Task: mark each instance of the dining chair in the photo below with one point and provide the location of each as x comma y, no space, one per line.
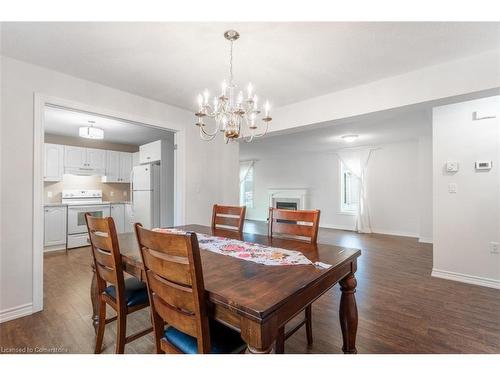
296,225
228,217
174,277
125,296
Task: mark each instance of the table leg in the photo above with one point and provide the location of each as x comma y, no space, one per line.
348,314
259,336
94,297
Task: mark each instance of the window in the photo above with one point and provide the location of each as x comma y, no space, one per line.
246,185
349,187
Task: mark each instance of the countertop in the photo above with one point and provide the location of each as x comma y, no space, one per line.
59,204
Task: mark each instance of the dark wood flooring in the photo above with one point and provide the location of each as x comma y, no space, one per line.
402,309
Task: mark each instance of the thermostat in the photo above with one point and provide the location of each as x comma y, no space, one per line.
483,165
451,166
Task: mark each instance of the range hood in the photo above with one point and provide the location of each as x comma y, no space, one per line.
84,171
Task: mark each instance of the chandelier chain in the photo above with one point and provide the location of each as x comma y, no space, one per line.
231,63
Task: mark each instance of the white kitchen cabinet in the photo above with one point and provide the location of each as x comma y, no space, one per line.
81,158
75,157
118,166
54,162
129,218
55,227
118,215
96,158
150,152
125,166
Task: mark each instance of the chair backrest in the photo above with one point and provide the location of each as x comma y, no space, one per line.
228,217
294,223
175,282
106,254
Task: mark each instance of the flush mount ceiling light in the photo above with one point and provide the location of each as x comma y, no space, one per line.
90,131
349,138
231,109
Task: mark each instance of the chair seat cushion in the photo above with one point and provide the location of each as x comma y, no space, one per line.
224,340
136,292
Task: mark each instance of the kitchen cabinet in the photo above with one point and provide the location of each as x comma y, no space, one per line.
55,227
118,215
150,152
81,158
96,158
118,166
75,157
129,218
54,162
135,159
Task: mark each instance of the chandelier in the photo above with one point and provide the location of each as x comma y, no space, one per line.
231,110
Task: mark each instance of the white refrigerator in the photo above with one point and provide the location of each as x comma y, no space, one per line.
145,195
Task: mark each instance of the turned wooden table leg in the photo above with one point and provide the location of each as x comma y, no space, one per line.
348,314
94,297
252,350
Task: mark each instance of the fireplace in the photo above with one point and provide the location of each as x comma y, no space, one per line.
288,199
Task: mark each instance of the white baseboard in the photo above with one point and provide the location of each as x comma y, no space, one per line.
425,239
16,312
394,233
339,227
469,279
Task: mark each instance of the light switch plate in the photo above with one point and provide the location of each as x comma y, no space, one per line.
125,193
452,188
112,193
49,194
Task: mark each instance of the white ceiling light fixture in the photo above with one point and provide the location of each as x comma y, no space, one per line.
91,132
349,138
231,109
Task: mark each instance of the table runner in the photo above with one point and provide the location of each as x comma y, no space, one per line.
267,255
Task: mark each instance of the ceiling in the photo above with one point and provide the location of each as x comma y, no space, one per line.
286,62
373,129
65,122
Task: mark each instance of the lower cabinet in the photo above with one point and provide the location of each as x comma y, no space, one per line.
55,218
118,215
129,218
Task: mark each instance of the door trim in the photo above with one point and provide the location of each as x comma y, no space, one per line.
40,101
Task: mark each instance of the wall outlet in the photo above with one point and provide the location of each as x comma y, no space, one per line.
494,247
49,194
452,188
125,193
112,193
452,166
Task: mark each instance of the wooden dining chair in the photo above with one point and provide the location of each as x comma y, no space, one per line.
175,285
296,225
125,296
228,217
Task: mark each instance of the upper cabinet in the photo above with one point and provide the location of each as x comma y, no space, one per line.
54,162
150,152
80,159
118,166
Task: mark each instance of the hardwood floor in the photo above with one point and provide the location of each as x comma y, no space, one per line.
402,309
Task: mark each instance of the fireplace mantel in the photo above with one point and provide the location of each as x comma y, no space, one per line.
298,195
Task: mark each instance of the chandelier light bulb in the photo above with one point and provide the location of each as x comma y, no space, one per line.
250,90
240,97
206,96
200,100
224,87
255,101
267,107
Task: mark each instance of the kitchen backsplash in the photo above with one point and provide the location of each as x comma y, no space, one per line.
110,192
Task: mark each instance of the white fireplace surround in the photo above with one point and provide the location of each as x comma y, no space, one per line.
288,195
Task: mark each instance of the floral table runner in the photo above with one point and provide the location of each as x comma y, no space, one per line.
270,256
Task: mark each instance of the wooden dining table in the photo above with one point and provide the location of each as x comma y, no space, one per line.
258,300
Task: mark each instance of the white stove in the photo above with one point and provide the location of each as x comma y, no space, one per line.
80,202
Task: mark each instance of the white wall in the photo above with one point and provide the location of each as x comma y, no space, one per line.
467,75
211,168
466,222
393,189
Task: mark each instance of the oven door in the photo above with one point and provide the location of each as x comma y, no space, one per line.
76,216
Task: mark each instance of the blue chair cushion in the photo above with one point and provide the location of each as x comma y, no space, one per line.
224,340
136,292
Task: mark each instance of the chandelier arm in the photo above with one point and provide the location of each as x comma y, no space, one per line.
206,137
262,134
210,134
